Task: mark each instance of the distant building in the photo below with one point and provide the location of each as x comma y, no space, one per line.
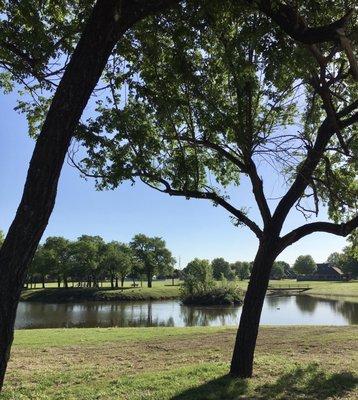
325,272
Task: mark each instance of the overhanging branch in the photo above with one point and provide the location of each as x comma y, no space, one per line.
287,18
196,194
343,229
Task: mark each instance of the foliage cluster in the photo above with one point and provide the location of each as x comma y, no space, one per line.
200,288
89,260
347,260
304,265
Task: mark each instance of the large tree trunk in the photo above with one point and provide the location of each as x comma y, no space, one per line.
109,20
243,355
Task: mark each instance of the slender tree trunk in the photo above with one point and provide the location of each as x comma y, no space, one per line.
117,282
108,22
58,282
112,281
122,281
243,355
43,282
65,282
149,280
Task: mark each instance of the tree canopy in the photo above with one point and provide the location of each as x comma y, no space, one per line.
89,260
221,268
304,265
212,94
347,260
153,254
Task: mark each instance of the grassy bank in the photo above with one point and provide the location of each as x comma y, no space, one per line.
164,290
50,295
181,364
318,288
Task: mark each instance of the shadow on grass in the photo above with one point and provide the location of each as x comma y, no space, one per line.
309,383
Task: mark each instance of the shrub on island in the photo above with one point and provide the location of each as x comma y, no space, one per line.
225,295
199,287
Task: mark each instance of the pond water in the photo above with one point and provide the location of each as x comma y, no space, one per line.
287,310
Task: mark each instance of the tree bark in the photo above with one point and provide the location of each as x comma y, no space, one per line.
108,22
243,355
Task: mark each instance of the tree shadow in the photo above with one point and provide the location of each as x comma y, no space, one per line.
310,383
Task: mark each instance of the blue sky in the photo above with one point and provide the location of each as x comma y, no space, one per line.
191,228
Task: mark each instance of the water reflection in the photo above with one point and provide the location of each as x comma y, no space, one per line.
287,310
206,316
306,304
274,301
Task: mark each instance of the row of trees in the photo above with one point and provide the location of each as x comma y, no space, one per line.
89,260
242,269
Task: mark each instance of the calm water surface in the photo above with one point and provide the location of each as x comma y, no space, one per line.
289,310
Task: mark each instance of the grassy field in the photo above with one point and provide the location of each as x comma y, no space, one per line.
181,364
165,290
159,291
317,288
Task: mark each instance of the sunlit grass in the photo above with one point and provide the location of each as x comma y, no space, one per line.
181,364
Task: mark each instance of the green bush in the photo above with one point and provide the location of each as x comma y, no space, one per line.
224,295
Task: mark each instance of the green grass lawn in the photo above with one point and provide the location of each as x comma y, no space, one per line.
127,284
160,290
181,364
319,288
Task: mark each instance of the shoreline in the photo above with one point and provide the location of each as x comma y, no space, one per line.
162,291
63,295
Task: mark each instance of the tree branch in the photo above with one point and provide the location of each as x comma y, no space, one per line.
287,18
343,229
304,173
258,191
195,194
220,150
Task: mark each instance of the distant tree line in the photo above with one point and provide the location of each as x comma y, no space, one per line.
89,261
220,269
347,260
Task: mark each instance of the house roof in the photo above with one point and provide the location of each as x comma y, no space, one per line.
338,270
325,268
